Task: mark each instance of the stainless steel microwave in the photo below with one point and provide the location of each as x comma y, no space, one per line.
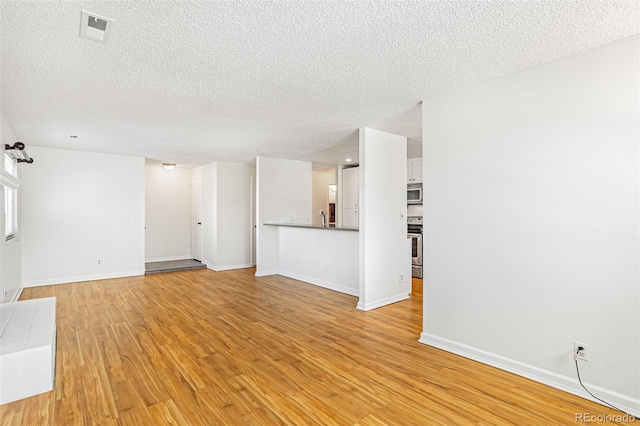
414,193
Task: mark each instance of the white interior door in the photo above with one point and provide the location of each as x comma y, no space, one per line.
196,218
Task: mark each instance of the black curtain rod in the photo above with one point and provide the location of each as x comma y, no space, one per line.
18,153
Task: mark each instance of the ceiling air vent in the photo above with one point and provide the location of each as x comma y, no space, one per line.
95,27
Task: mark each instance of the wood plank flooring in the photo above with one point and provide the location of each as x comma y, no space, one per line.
202,348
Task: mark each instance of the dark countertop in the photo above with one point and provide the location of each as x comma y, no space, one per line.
307,225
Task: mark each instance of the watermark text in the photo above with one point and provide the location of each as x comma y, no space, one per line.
604,418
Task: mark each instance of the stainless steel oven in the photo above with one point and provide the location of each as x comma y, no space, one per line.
414,228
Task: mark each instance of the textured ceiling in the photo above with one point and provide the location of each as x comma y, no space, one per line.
198,81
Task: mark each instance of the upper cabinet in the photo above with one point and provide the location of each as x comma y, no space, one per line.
414,170
350,188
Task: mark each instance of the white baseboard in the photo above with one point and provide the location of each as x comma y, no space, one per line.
81,278
382,302
168,258
320,283
265,273
549,378
229,267
17,294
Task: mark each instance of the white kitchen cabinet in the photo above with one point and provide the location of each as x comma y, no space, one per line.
350,218
350,188
414,170
350,192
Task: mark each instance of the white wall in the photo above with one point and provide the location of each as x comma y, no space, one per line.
10,253
234,216
284,195
384,254
531,221
168,212
324,257
226,214
78,208
320,181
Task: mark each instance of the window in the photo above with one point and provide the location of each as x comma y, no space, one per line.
10,202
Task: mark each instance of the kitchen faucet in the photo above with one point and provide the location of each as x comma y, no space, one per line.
323,219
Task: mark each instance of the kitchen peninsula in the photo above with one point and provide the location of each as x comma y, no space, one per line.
325,256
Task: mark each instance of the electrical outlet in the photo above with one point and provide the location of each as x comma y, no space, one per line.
401,278
99,261
581,354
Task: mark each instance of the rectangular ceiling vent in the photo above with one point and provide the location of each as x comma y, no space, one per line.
95,27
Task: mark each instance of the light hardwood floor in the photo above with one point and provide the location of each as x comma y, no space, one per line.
202,347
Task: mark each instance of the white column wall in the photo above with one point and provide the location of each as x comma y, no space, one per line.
78,208
532,221
383,219
234,216
226,214
168,213
284,195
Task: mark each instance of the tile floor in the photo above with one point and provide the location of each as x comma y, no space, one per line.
172,265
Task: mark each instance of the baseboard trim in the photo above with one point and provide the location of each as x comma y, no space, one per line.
321,283
83,278
168,258
228,268
382,302
265,273
17,294
549,378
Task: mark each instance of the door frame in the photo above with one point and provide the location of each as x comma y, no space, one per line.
193,219
253,220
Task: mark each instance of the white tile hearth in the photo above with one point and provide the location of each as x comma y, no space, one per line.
27,348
